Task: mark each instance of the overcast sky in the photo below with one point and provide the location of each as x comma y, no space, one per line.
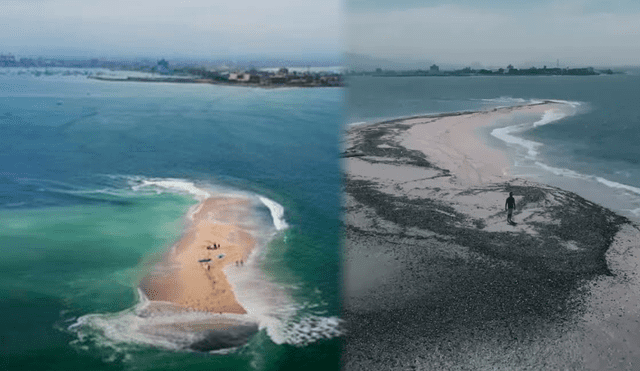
497,32
162,28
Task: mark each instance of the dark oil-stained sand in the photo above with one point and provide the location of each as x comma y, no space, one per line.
435,278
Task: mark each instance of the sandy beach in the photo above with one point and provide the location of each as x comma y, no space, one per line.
192,273
435,278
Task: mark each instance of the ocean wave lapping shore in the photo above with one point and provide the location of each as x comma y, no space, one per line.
526,159
456,286
197,297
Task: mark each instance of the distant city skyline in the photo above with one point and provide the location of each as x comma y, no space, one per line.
195,29
456,33
496,33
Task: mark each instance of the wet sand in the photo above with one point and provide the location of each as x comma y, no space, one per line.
192,274
435,278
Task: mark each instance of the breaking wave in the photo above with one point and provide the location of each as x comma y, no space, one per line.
528,150
277,213
508,134
269,305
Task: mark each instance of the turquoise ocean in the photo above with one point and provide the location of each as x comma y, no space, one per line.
589,145
96,179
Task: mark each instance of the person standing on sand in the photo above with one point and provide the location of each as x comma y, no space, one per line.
509,205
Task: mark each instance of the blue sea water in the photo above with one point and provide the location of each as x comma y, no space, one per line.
590,146
95,181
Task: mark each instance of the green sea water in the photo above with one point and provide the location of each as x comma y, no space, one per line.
85,211
61,262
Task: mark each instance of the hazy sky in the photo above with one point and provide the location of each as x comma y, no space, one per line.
195,28
497,32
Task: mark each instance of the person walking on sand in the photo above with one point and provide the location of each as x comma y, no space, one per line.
509,205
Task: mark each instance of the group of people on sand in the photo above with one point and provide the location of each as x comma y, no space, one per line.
216,246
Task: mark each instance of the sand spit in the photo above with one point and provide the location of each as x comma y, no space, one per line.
192,274
435,278
191,279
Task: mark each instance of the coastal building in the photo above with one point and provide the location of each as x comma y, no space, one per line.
28,62
162,67
330,81
434,69
243,77
283,72
277,79
7,60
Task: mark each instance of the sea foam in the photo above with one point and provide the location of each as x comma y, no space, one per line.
277,213
507,134
510,101
175,185
632,194
617,185
529,150
269,305
162,325
553,115
550,116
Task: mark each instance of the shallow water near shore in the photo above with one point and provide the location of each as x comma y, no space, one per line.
98,183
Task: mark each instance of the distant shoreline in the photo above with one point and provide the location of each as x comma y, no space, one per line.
533,71
188,80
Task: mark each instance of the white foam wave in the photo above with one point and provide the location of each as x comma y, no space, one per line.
505,99
510,101
531,148
269,305
172,185
505,134
168,326
550,116
561,172
575,175
628,196
617,185
573,104
277,213
155,324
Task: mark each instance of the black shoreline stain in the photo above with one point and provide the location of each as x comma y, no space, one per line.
514,283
